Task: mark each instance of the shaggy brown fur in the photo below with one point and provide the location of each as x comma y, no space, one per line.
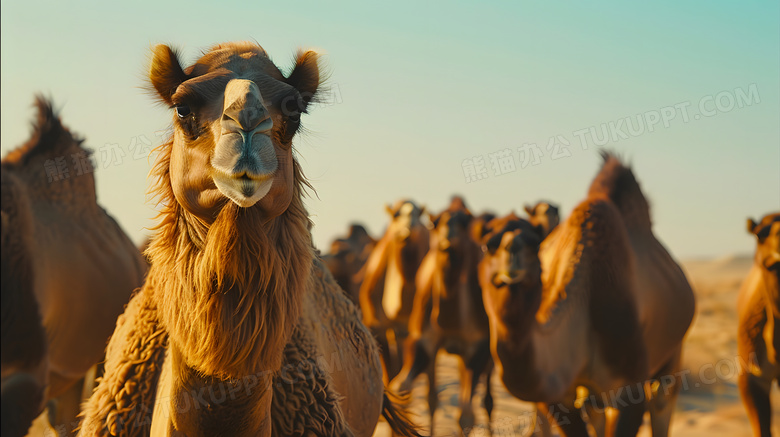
758,337
125,396
222,329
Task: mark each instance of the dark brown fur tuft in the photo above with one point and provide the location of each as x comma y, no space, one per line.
617,181
49,137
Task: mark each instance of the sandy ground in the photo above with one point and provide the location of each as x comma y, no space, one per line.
709,407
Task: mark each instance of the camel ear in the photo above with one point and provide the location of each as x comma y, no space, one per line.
165,72
751,226
305,76
529,210
432,218
389,210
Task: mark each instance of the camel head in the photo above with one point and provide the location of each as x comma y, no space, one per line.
451,228
510,270
235,115
479,226
352,248
405,219
767,233
347,256
544,214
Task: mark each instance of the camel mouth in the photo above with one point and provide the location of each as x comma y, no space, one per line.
243,189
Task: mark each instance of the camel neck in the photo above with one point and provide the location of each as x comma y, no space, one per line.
536,361
457,291
203,405
771,284
230,302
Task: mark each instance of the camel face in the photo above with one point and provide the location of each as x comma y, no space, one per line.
451,231
235,117
544,214
510,263
347,257
768,234
405,218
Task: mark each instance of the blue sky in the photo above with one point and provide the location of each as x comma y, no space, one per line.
416,89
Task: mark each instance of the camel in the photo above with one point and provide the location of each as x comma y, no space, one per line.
758,338
388,288
347,257
448,313
239,330
68,270
600,304
544,214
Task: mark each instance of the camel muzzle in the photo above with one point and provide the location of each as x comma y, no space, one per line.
245,157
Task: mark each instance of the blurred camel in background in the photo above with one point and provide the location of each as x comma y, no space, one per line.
758,337
388,288
68,271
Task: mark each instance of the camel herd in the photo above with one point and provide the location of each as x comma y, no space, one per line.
231,323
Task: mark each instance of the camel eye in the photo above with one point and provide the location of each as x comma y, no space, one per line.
183,111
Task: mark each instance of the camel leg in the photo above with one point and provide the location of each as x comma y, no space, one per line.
569,419
400,334
479,363
487,401
541,425
597,418
64,409
629,419
433,392
417,357
755,395
467,383
664,399
393,354
382,342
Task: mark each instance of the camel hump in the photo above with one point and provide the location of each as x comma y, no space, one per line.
607,259
49,138
616,181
